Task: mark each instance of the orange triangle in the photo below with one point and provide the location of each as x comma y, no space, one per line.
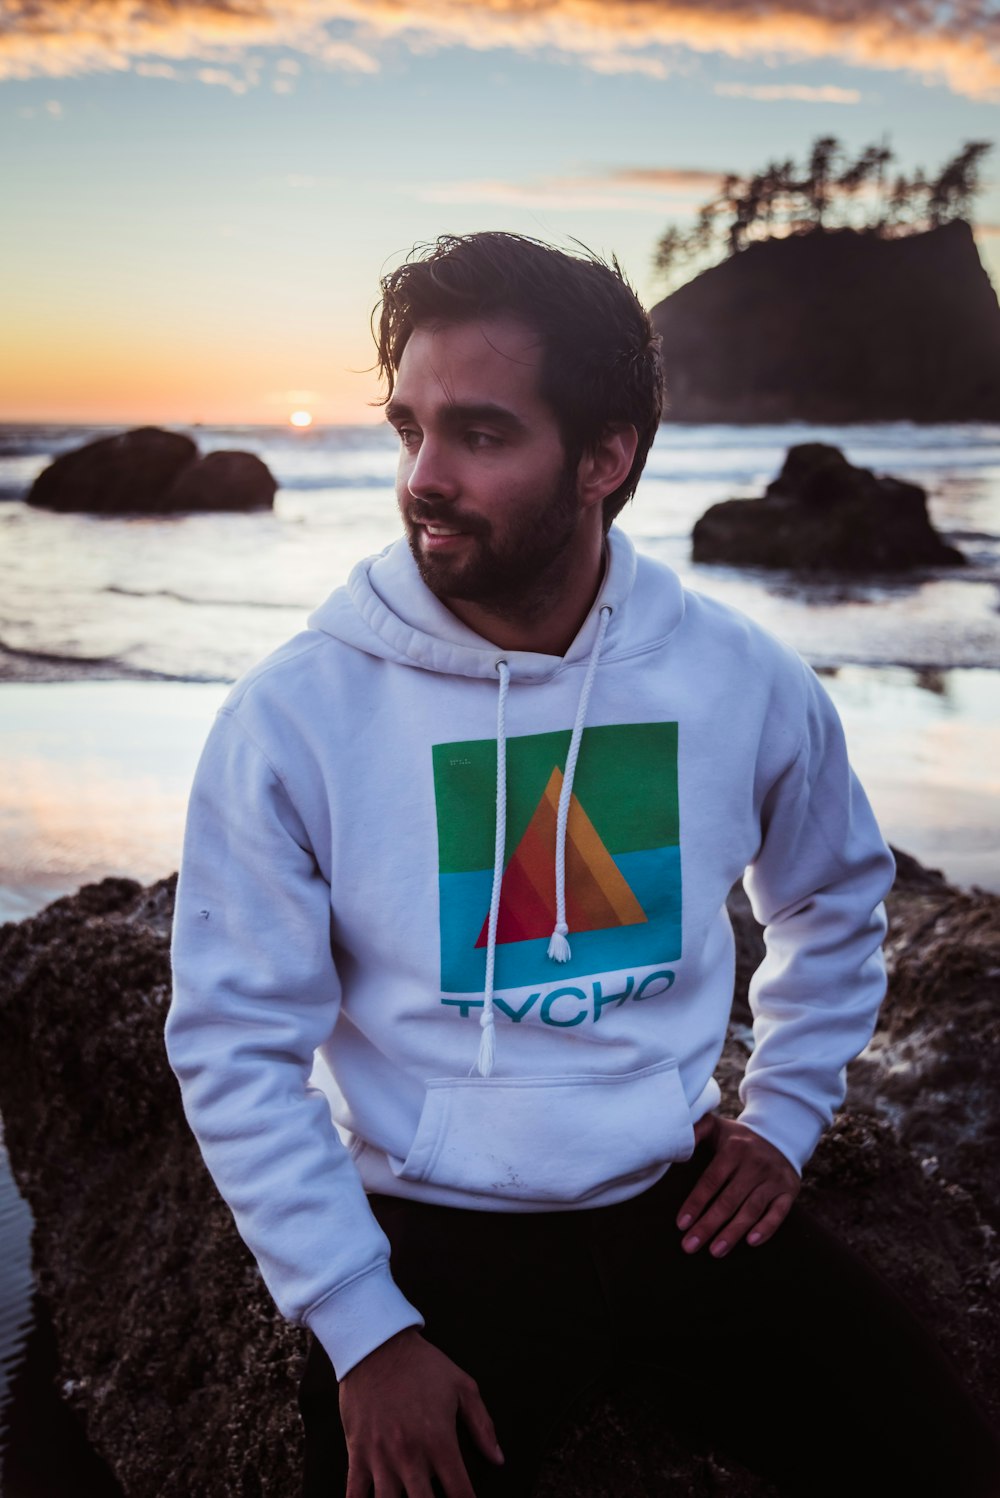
597,894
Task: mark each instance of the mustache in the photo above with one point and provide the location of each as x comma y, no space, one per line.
425,514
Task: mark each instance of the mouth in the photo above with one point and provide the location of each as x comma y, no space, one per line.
442,535
440,530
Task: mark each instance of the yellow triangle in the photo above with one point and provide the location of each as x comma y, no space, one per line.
598,895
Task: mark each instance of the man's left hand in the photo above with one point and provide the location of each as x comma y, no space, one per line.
746,1191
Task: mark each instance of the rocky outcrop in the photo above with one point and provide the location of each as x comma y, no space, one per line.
223,481
114,475
171,1349
837,326
821,513
149,471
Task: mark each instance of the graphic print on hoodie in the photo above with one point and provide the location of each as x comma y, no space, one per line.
623,868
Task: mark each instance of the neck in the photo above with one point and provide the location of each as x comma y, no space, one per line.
546,619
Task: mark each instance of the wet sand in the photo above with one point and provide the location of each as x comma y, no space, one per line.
96,774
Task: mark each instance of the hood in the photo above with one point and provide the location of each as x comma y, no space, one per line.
386,610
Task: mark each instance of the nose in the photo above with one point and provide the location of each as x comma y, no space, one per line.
429,473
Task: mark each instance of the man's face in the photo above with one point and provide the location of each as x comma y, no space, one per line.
488,505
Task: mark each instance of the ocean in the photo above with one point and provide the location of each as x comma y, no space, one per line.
118,637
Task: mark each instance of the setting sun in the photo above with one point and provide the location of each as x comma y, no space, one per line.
301,418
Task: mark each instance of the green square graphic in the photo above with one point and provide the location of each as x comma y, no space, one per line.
623,858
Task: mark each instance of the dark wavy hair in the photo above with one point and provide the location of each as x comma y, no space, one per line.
601,358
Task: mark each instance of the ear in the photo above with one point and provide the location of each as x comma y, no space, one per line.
601,471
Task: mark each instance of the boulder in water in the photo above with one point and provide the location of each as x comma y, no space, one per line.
130,472
223,481
152,472
821,513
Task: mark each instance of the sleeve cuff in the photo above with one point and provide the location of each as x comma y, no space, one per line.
360,1316
792,1127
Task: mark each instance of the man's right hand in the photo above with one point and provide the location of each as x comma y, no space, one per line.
400,1407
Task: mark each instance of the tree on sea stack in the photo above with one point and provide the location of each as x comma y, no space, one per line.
830,191
836,291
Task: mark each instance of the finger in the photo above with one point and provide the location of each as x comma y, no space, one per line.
708,1185
454,1479
415,1485
359,1483
735,1230
721,1211
772,1219
384,1482
477,1418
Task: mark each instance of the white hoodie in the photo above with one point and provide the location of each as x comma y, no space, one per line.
336,892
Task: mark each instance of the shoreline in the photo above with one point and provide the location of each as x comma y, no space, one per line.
40,668
28,668
97,773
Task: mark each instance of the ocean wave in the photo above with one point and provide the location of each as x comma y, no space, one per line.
19,664
215,603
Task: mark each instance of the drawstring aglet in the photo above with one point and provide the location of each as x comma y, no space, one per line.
559,949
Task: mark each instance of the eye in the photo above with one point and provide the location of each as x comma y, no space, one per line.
481,440
408,436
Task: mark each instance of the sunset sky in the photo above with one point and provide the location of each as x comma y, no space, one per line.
199,196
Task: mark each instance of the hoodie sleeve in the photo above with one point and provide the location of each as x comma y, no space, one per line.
816,885
255,992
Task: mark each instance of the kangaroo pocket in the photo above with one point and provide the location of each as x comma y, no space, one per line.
555,1139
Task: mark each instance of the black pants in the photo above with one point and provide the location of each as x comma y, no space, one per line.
838,1391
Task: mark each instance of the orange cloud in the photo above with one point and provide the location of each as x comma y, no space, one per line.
628,190
953,43
770,92
685,181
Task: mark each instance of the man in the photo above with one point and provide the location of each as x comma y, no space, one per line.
469,837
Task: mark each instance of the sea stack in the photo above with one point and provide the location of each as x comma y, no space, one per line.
834,326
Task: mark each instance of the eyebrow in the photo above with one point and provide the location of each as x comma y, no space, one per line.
457,415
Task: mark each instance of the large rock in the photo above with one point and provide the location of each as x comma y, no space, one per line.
149,471
175,1356
129,472
836,326
822,513
223,481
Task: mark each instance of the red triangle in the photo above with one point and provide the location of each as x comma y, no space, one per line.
528,904
597,896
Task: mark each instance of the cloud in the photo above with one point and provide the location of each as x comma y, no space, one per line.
156,70
950,42
627,190
51,107
770,92
685,181
628,62
223,78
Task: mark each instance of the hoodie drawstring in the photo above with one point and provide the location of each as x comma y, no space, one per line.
487,1041
559,948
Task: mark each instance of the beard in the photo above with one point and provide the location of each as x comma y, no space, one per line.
509,572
